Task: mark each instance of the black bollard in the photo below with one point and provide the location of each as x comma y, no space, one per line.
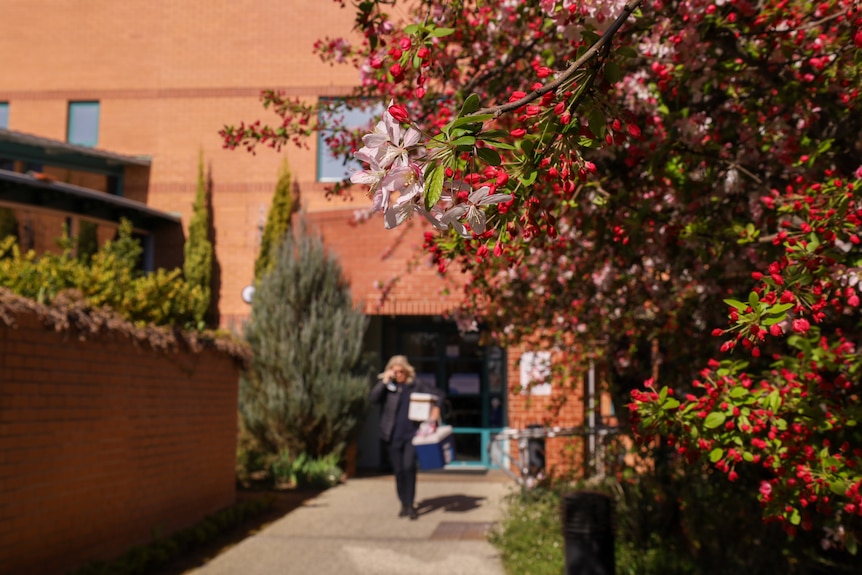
588,532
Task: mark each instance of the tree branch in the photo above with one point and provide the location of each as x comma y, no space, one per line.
601,43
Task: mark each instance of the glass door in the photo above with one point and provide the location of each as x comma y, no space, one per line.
472,377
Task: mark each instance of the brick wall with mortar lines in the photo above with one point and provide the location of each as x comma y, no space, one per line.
176,74
562,453
104,443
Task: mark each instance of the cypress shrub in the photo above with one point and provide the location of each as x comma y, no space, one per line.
305,391
198,264
284,204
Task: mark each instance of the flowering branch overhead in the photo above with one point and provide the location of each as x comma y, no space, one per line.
681,174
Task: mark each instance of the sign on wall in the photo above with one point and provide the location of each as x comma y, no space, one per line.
535,371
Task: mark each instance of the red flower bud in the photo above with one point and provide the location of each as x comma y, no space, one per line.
518,132
517,95
398,112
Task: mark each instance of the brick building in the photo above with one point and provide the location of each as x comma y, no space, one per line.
147,85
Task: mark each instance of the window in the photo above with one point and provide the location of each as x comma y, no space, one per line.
83,128
4,115
331,168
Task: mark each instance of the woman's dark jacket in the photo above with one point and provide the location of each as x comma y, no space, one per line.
389,400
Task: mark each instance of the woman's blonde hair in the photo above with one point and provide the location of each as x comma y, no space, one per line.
400,361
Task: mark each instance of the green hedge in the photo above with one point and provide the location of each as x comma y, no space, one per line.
110,278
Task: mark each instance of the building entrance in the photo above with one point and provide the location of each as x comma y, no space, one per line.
472,376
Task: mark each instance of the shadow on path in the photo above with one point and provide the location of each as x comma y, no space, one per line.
453,503
282,503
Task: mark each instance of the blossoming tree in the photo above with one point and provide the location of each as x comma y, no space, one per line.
677,182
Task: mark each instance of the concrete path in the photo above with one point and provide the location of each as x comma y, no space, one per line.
354,529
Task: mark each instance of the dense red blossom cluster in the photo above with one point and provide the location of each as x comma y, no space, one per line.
684,182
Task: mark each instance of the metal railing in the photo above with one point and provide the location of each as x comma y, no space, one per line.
602,458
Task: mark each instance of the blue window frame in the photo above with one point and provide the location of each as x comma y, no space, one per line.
4,115
332,168
83,127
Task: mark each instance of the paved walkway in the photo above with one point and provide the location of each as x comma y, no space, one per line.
354,529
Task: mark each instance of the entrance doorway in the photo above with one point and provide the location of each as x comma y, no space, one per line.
472,376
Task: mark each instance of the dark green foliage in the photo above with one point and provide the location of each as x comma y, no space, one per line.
284,204
8,223
694,523
304,471
111,279
306,388
198,264
143,559
530,536
87,241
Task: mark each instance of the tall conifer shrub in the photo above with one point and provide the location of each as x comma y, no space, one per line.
198,264
306,388
284,204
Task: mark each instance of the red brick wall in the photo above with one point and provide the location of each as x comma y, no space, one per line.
373,256
104,443
564,408
177,73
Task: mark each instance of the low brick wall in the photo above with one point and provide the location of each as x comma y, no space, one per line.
105,443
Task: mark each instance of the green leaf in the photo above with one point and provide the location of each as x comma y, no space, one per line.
670,403
779,309
411,29
496,143
612,72
736,304
716,454
471,104
753,300
440,32
850,540
476,119
714,419
839,487
489,156
464,141
773,401
434,186
627,51
529,178
598,124
586,142
738,391
795,519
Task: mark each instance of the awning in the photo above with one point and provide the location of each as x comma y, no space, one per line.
27,190
27,147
